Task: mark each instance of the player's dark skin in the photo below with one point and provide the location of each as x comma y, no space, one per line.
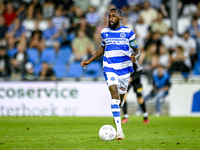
114,19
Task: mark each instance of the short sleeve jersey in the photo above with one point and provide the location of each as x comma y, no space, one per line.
118,45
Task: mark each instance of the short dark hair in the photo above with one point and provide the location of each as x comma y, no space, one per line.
119,12
186,32
171,29
2,48
194,17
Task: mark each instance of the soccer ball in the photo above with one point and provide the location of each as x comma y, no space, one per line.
107,133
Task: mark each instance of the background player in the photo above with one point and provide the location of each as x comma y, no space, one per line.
137,87
120,49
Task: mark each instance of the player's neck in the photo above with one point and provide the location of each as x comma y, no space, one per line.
117,28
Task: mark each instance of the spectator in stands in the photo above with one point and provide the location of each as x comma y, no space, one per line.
34,10
16,33
198,10
19,60
3,29
149,14
170,40
103,24
142,33
4,63
180,61
59,20
134,14
9,14
2,7
61,23
29,73
161,85
20,8
83,25
164,58
51,35
92,17
155,4
126,23
194,31
151,60
137,3
189,45
154,39
48,9
82,46
41,47
46,73
159,25
119,3
65,5
78,14
36,36
83,4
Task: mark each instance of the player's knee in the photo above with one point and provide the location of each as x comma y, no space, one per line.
114,92
140,99
115,95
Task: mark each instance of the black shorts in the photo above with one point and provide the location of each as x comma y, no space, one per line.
136,84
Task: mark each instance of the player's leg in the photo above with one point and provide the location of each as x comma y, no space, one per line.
138,90
143,107
115,108
113,83
125,107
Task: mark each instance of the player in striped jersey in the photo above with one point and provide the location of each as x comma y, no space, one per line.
120,50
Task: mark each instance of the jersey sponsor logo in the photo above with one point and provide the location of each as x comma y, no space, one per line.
117,41
123,89
123,35
112,78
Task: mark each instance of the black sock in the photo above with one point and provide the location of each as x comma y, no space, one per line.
125,108
143,106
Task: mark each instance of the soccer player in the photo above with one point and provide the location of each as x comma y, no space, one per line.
137,87
120,50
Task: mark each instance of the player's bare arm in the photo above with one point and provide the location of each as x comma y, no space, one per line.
98,54
135,55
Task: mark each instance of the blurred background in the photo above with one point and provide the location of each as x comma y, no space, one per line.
45,40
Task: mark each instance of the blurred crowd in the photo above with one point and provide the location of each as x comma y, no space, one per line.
41,39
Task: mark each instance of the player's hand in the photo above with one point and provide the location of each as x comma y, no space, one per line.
133,59
84,63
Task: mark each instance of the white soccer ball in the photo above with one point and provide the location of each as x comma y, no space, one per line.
107,133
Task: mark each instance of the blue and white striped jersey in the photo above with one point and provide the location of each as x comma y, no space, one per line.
117,50
58,22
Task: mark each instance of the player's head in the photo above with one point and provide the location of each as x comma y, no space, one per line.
114,18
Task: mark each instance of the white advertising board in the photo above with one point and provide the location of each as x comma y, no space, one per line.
83,99
54,99
185,100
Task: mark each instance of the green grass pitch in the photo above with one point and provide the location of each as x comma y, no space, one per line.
17,133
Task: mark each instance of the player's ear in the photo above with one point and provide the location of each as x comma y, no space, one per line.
120,17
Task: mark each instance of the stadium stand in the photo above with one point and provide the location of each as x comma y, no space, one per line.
38,16
93,70
75,70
